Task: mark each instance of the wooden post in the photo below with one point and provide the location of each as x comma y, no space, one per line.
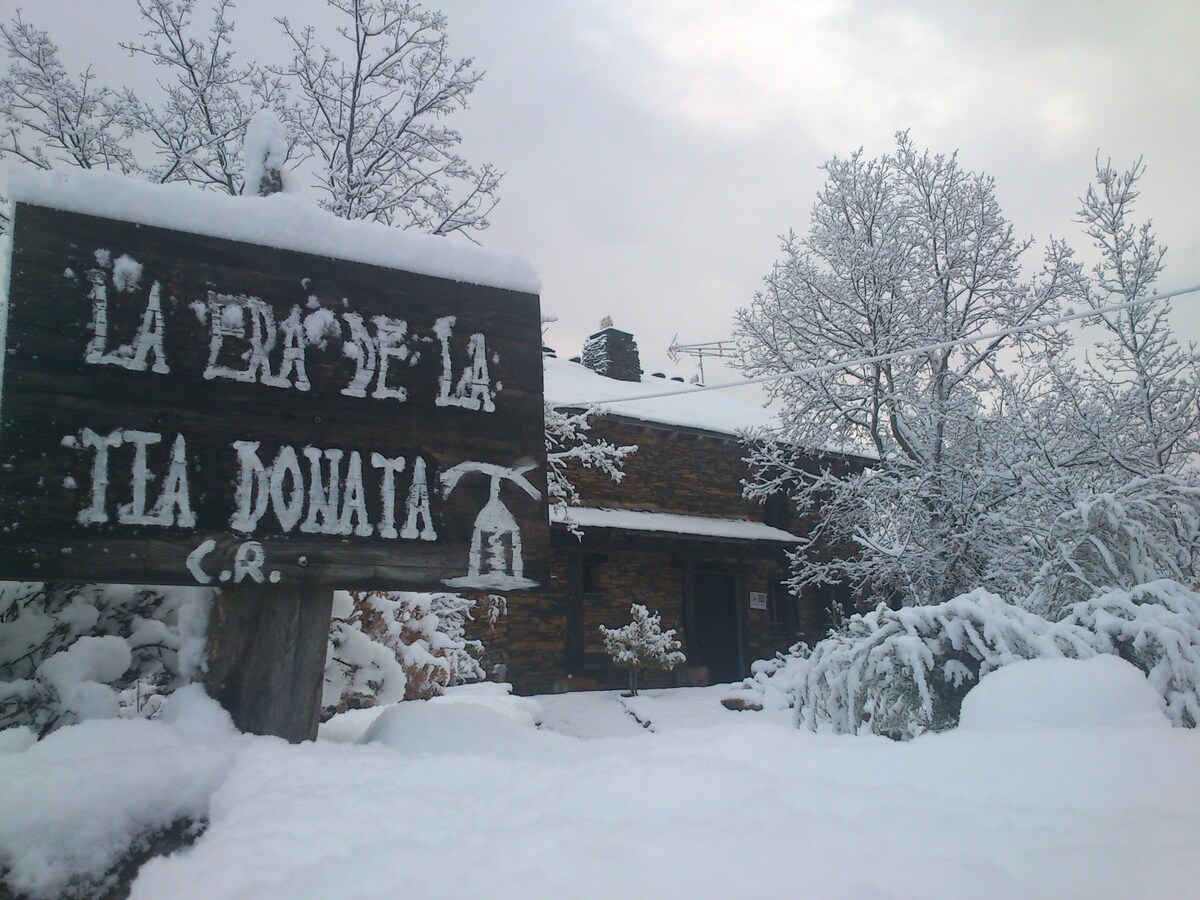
266,658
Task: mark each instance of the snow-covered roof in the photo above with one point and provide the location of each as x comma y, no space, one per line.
574,385
284,221
669,523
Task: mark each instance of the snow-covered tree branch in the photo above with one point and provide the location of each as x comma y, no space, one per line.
49,117
905,250
207,101
374,118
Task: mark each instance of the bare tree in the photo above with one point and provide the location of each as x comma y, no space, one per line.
375,120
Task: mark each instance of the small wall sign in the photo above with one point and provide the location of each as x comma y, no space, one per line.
758,600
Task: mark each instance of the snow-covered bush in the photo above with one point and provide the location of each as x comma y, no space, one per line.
772,682
1148,529
74,652
387,646
1155,626
642,644
900,673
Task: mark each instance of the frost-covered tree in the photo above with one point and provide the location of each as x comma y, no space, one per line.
642,645
906,250
373,111
50,117
191,130
1137,399
369,124
198,127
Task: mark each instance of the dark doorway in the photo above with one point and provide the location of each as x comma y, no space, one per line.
718,637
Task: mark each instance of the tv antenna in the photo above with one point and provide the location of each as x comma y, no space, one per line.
718,349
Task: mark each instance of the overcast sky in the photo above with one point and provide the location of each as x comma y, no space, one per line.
655,151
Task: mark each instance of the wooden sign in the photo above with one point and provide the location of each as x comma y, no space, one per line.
181,409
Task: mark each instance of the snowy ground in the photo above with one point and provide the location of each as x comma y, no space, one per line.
466,797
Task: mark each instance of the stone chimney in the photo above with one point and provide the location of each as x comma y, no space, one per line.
613,353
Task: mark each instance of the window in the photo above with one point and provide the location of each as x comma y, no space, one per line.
589,577
782,610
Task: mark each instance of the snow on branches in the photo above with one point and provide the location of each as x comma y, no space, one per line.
1146,530
375,120
901,673
388,646
369,128
69,653
973,461
904,250
642,645
569,444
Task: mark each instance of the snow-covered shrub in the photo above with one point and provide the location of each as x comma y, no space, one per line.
1147,530
642,644
74,652
1155,626
772,682
387,646
900,673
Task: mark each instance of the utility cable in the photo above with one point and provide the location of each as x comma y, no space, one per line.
884,357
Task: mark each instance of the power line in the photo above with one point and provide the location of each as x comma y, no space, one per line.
896,354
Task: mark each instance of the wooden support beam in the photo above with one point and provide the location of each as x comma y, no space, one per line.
266,658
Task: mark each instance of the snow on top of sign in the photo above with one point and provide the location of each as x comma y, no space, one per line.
669,523
574,385
284,221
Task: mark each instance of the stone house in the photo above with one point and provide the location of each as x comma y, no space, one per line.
675,534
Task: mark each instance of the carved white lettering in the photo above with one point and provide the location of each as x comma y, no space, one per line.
173,507
294,340
387,492
390,337
474,387
331,498
227,314
96,514
418,506
360,348
149,337
354,500
322,495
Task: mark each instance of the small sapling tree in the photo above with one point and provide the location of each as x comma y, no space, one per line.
642,644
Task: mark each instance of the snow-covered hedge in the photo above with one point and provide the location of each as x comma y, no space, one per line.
74,652
387,646
1155,626
1146,530
900,673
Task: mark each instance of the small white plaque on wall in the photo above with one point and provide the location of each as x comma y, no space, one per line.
758,600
